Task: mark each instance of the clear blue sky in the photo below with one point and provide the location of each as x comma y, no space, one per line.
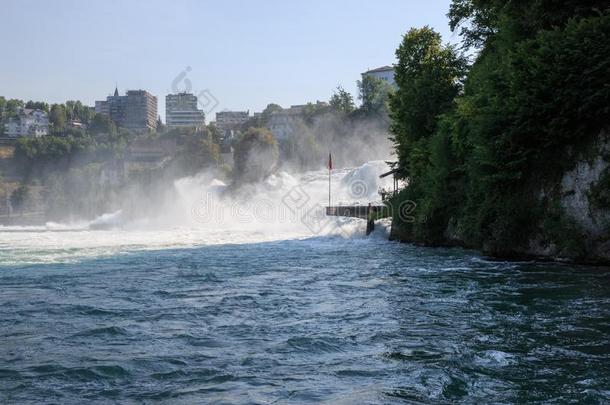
246,53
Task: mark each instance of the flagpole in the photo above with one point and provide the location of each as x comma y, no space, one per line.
330,168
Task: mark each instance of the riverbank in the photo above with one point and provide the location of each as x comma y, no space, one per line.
566,217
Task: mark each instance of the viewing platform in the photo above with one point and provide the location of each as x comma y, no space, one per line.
368,212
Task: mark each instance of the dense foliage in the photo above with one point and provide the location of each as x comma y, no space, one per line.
197,150
86,162
256,154
478,152
342,101
374,95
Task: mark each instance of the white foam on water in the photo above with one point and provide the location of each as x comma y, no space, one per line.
202,212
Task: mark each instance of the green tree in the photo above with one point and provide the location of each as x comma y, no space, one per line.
478,21
484,160
267,112
256,154
160,126
2,108
102,124
197,153
58,117
474,20
214,132
37,105
77,111
261,120
342,101
12,107
374,94
428,75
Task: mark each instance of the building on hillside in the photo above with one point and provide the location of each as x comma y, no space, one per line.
285,123
385,73
101,107
141,111
228,122
181,111
28,122
137,110
117,107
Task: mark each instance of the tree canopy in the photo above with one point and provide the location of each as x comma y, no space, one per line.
428,75
342,101
256,154
479,143
373,94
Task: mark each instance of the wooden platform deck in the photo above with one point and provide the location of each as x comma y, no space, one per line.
367,212
354,211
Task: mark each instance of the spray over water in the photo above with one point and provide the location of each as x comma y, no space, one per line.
200,210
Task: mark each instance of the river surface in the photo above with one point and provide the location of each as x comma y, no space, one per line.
117,316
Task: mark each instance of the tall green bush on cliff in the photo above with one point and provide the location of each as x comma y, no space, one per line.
535,95
428,76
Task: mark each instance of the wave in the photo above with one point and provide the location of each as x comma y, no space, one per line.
107,221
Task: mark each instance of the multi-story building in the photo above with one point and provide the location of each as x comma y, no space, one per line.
28,122
140,111
181,111
283,124
228,122
288,122
101,107
137,110
116,106
385,73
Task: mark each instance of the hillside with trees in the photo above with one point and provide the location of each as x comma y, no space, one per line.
80,172
510,152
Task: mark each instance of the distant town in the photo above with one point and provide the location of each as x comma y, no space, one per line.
137,111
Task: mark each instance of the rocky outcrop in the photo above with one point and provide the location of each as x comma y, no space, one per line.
573,214
583,217
576,188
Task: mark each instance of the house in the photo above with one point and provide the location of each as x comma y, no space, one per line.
385,73
28,122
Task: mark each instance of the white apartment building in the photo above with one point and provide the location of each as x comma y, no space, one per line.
385,73
286,123
181,111
283,124
28,123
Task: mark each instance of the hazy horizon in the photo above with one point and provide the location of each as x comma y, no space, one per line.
245,55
